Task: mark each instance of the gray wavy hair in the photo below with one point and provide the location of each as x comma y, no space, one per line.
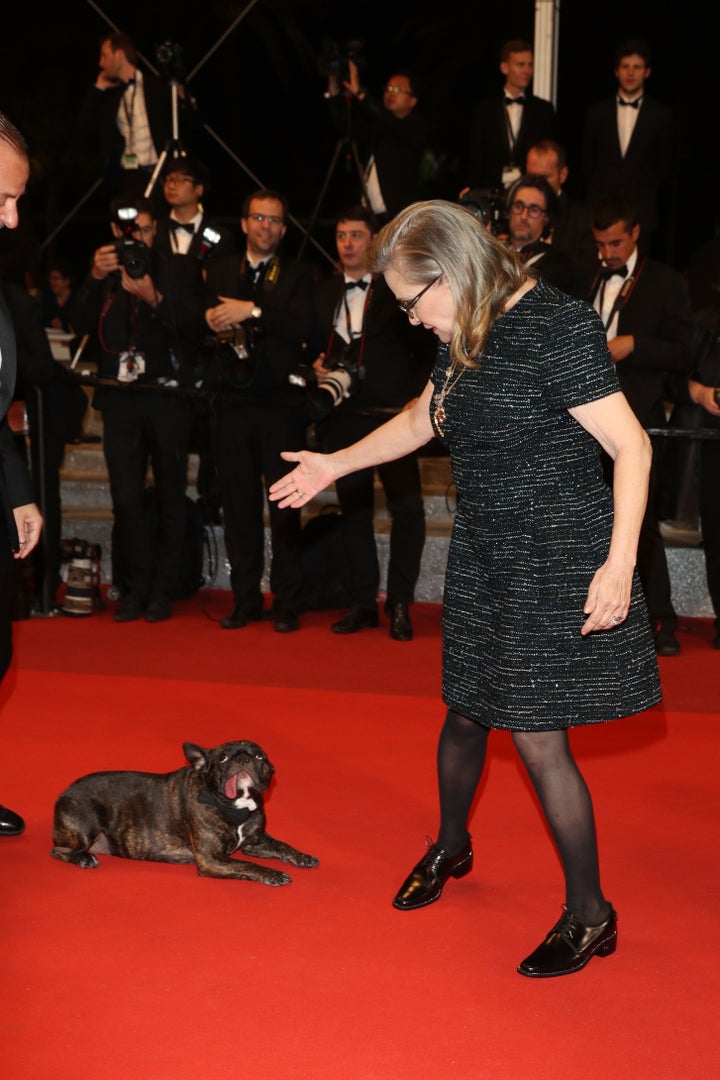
434,238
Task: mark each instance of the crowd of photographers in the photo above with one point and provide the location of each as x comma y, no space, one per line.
212,339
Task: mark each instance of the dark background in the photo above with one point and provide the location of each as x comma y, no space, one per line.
261,94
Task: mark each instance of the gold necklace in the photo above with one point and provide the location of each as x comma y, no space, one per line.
439,413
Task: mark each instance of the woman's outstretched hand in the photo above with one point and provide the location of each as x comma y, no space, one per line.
313,473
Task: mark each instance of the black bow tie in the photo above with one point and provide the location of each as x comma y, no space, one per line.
631,104
606,273
175,225
356,285
514,100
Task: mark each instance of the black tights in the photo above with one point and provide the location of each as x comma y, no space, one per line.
560,787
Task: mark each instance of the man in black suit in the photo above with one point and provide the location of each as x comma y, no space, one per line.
20,520
130,113
261,304
531,209
506,124
646,312
571,230
185,183
392,133
628,141
358,321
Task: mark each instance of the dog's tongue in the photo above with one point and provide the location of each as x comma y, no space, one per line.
234,782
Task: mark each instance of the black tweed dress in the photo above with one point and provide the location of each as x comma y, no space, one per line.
532,526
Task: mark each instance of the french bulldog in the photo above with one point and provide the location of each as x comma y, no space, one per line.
200,813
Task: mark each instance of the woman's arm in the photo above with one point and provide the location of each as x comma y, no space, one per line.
406,432
612,422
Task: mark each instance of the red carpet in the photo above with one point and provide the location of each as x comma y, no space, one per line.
147,970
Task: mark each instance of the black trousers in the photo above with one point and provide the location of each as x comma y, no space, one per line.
710,518
139,430
401,483
8,591
248,442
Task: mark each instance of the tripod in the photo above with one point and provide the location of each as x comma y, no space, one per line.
173,144
347,144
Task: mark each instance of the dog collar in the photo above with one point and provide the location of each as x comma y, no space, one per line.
224,807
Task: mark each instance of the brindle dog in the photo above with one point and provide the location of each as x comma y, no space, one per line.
201,813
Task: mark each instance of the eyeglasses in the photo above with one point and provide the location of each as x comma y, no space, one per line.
179,180
272,219
393,88
533,210
408,306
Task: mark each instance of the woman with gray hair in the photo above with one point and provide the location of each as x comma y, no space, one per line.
544,623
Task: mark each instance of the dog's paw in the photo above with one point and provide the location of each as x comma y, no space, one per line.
304,861
83,859
275,878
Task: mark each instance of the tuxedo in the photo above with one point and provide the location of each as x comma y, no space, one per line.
225,246
15,486
396,359
550,263
656,312
490,141
640,175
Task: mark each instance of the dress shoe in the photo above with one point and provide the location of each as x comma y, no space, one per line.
11,824
716,642
400,625
240,617
570,945
666,644
424,884
357,618
286,622
129,609
158,608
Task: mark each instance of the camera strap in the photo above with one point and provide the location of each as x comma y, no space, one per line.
625,292
343,303
104,312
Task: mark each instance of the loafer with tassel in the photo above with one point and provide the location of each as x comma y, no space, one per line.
424,884
569,946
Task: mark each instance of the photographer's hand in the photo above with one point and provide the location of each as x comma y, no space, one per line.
228,313
705,396
319,365
353,83
143,288
105,261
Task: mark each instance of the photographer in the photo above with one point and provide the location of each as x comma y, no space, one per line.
358,320
262,301
392,133
146,312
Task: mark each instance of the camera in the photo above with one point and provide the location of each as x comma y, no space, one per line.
488,204
135,256
171,61
326,392
334,57
209,238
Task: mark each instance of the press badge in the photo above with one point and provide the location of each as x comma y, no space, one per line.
130,365
510,174
130,161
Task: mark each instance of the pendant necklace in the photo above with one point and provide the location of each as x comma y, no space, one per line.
439,413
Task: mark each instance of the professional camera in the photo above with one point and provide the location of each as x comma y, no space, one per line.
135,256
209,238
325,392
488,204
333,60
171,61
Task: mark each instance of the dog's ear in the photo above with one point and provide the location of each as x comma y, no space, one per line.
196,755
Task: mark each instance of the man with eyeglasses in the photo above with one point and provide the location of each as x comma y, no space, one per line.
531,204
356,316
266,299
145,311
185,183
393,135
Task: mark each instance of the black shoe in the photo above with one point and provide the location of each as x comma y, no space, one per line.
569,946
129,609
286,622
158,608
11,824
716,642
666,644
240,617
424,884
357,618
400,625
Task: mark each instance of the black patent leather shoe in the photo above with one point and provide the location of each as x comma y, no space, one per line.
666,644
286,622
570,945
129,609
424,884
158,608
356,619
11,824
239,617
400,625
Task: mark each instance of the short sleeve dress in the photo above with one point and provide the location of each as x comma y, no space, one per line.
533,523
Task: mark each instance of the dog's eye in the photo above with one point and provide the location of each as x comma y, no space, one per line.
259,757
224,759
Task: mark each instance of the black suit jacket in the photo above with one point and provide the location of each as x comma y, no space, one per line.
490,149
15,486
645,169
286,323
397,358
225,246
657,313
